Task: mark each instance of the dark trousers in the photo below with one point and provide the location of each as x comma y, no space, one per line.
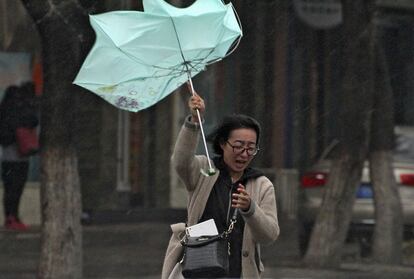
14,175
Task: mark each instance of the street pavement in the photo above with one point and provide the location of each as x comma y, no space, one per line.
136,250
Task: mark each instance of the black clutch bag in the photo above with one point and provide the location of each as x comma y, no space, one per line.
205,257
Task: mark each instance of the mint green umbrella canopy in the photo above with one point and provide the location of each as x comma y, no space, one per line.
141,57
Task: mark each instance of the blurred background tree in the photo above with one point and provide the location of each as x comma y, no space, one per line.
65,37
366,118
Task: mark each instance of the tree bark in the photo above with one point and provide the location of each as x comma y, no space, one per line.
333,220
388,233
64,31
330,230
61,239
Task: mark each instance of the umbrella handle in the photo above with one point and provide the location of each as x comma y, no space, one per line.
211,170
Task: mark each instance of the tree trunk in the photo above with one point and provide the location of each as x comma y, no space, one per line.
330,230
63,28
332,223
388,233
61,241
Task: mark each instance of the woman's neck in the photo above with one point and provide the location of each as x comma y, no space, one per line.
235,176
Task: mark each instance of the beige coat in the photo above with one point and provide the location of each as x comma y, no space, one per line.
261,223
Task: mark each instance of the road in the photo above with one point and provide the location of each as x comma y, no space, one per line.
131,251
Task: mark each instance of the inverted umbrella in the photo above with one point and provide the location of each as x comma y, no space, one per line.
141,57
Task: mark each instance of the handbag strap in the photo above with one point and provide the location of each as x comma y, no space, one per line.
233,221
206,240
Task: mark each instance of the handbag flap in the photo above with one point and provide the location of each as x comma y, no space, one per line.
200,240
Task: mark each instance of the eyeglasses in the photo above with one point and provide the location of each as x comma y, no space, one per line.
239,149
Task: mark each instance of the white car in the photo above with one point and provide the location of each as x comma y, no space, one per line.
314,180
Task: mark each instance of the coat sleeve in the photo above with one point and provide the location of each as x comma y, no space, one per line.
183,159
261,218
174,251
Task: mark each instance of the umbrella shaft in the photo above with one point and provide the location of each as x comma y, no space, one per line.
199,121
204,138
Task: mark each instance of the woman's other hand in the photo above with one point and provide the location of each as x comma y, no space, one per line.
242,199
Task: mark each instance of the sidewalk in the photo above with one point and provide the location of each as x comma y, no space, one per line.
136,250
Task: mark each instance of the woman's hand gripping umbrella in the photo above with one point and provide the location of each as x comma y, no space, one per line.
197,107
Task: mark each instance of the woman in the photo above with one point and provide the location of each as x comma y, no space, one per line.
234,186
18,109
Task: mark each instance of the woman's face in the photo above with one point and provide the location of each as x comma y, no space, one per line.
239,150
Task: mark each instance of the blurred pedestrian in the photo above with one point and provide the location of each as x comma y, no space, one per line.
18,110
234,186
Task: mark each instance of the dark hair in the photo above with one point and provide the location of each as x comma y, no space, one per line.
28,89
10,93
229,123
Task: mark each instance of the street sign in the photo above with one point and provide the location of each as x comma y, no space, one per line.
407,5
320,14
